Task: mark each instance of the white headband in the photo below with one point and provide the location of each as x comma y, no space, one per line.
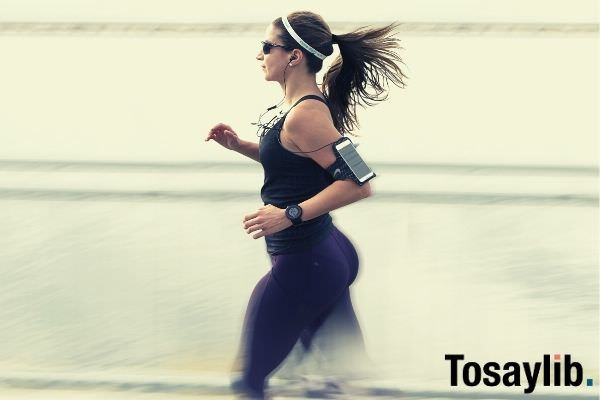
300,41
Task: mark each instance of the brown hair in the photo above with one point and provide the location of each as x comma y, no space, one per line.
366,59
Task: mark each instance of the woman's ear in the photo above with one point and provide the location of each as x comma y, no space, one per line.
296,55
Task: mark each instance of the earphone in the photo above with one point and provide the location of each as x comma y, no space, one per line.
277,105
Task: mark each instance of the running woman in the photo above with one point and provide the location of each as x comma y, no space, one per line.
313,263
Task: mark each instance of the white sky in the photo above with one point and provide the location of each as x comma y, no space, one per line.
566,11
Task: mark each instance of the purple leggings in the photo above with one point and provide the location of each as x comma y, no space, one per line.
292,300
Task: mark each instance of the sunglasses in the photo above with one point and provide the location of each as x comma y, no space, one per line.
266,46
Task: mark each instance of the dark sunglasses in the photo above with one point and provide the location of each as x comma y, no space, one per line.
266,46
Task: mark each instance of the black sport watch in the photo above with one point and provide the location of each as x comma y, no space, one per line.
294,213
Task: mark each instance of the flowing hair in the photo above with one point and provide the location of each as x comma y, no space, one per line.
366,60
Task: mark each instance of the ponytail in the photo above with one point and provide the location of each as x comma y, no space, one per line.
366,59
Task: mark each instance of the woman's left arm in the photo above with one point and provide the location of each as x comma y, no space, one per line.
308,127
334,196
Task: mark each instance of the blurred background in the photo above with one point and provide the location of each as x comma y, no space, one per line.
123,261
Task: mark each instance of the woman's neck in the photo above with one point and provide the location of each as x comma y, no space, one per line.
295,91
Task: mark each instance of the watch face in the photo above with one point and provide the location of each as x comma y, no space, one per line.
294,212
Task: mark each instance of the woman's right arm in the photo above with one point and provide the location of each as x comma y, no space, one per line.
226,137
249,149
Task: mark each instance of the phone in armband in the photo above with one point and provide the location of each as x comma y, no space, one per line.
349,164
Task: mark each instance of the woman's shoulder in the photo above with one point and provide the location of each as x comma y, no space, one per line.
310,121
310,129
310,110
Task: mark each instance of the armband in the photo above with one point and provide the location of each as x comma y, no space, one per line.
341,170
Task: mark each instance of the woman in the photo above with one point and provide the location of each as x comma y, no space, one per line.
313,263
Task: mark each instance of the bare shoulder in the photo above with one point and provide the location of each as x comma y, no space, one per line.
309,127
309,113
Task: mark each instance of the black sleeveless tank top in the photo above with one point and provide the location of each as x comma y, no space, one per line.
292,179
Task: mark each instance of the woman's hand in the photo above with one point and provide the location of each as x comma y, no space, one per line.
224,135
268,219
